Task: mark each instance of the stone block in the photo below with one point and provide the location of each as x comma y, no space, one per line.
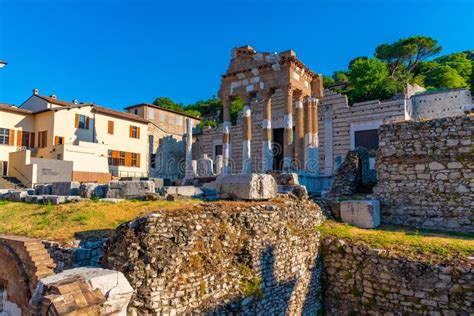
93,190
112,284
130,189
18,195
361,213
43,189
185,190
65,188
111,200
252,186
287,179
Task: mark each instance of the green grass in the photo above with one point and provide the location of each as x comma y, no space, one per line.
422,245
62,222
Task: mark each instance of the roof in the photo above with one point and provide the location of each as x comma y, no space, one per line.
124,115
161,108
54,101
12,108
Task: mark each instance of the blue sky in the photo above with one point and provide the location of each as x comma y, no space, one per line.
118,53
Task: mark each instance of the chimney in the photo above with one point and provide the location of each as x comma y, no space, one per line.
74,101
36,91
53,96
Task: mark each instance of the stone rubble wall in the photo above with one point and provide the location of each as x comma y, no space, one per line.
244,258
425,174
362,281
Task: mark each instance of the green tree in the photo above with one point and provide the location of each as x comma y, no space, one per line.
459,62
370,79
167,103
340,76
236,106
192,112
327,81
405,54
444,76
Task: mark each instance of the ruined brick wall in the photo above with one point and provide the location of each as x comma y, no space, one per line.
363,281
248,258
425,174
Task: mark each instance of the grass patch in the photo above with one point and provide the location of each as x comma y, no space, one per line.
62,222
422,245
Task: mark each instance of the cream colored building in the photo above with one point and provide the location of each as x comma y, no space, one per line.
100,142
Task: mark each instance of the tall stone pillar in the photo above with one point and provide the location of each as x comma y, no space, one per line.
267,154
246,140
189,173
308,130
227,124
314,129
288,125
299,133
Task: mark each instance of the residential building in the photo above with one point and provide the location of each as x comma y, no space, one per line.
100,142
166,129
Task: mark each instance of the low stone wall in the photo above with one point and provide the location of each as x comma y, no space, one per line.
425,174
87,253
217,258
363,281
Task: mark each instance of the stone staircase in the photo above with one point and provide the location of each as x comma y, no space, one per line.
10,183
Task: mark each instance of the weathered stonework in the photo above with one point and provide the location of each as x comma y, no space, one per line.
363,281
425,174
244,258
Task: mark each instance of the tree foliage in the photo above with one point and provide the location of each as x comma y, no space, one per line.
405,54
167,103
444,76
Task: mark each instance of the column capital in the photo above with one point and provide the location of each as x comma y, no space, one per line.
288,89
267,93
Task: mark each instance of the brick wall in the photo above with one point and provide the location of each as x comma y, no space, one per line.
425,174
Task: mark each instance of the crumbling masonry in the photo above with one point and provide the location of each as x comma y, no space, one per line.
278,128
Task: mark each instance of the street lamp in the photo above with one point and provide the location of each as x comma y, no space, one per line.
3,63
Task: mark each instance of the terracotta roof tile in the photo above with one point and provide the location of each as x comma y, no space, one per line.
124,115
12,108
161,108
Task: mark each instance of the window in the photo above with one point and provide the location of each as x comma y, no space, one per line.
121,161
368,139
110,127
179,121
4,136
134,132
110,157
136,112
151,114
82,121
25,139
171,120
43,139
162,117
134,162
58,140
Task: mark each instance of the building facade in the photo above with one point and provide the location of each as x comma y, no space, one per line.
100,142
277,129
166,146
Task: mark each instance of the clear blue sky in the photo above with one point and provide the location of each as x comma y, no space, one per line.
118,53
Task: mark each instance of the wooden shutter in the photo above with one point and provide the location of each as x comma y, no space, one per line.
138,160
138,132
130,128
87,123
128,159
12,137
19,138
110,127
32,140
77,121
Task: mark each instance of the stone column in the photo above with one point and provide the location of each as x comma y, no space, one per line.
314,125
288,125
308,130
227,124
246,140
189,174
267,154
299,133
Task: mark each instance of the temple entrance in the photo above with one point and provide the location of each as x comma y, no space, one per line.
277,148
